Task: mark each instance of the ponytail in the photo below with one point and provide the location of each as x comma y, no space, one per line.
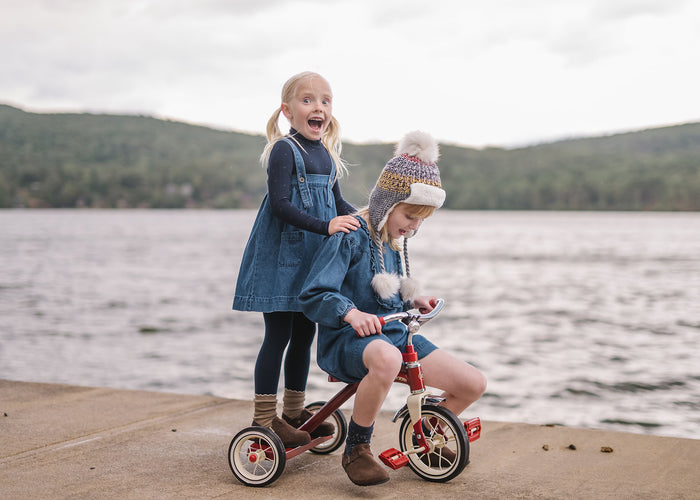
273,134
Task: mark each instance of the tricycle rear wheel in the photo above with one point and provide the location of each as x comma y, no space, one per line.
341,430
256,456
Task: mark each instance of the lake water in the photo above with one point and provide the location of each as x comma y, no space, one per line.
577,318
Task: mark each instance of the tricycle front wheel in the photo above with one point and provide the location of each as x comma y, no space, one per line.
451,446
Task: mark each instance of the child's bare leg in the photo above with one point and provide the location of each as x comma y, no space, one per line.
383,362
461,382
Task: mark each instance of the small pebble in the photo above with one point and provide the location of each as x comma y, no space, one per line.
606,449
545,447
174,430
572,447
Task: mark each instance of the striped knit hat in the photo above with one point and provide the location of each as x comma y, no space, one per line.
410,177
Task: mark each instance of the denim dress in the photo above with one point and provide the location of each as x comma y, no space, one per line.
278,256
340,280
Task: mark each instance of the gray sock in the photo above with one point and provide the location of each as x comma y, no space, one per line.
356,435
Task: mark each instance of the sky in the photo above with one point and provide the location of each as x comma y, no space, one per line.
474,73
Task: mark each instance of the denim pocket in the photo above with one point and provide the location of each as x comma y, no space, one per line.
291,248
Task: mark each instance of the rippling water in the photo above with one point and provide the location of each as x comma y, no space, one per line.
583,319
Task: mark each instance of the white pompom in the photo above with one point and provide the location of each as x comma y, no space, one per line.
409,289
386,285
419,144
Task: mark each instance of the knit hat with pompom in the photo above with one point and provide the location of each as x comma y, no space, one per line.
410,177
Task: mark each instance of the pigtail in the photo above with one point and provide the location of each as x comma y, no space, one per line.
273,134
331,140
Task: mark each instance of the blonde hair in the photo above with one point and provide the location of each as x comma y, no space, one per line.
330,139
420,211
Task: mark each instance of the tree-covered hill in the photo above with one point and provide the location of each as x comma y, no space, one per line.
88,160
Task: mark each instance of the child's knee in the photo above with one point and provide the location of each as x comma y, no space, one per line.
473,382
385,361
480,384
470,384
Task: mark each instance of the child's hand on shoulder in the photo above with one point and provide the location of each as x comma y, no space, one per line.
344,223
364,324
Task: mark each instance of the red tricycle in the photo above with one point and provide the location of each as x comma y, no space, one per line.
433,442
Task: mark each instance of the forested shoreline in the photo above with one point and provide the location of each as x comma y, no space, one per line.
114,161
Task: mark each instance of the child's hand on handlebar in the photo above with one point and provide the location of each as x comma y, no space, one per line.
364,324
425,303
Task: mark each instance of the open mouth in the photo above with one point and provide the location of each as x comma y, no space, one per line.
315,124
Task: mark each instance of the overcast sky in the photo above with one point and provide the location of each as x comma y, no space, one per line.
476,73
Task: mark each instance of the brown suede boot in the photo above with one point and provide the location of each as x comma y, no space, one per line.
291,437
323,429
362,468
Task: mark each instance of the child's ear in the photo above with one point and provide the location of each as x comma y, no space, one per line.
286,111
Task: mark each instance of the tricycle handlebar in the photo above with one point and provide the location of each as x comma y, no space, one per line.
407,317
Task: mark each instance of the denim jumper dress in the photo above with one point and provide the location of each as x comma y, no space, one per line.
278,256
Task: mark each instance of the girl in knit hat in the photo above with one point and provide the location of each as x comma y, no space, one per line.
302,206
358,276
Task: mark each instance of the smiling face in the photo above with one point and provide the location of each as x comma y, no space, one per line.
405,219
310,109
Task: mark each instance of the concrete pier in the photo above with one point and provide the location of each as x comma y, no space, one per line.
60,441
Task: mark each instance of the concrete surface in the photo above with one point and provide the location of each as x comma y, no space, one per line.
59,441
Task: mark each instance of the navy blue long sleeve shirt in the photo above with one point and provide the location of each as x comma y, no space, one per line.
280,173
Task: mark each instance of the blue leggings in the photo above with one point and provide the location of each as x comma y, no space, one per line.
282,329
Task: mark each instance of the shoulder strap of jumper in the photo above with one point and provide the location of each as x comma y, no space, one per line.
301,174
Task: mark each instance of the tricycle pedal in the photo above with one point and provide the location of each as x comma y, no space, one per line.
473,429
393,458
